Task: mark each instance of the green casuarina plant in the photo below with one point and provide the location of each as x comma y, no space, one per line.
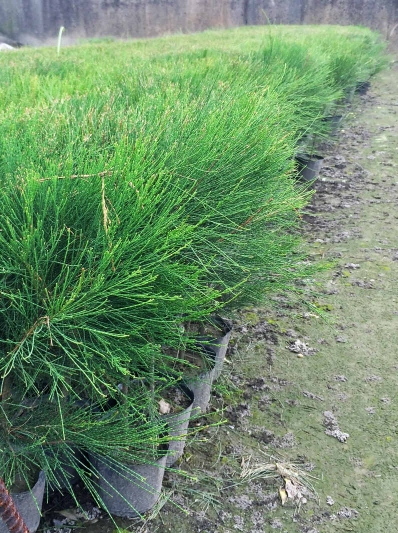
138,197
83,291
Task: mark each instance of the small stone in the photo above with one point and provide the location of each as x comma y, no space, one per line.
385,400
332,428
342,396
300,347
346,512
329,500
352,266
373,379
312,396
276,524
164,407
239,523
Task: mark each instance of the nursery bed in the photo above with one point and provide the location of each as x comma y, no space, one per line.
145,189
275,400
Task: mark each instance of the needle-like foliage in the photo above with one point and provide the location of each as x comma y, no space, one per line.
144,185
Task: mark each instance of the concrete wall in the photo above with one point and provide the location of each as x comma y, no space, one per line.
31,21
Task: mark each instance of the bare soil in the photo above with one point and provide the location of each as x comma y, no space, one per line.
320,393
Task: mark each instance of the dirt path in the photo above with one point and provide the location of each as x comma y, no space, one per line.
277,400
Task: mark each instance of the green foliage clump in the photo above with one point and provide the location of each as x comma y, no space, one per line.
144,187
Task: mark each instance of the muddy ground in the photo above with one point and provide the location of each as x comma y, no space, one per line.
320,393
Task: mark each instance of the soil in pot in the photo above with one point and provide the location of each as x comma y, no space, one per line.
128,491
28,503
309,166
176,407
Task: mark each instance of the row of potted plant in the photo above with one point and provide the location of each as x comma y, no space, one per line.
124,487
132,209
308,158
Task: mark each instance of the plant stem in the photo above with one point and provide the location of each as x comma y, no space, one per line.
6,389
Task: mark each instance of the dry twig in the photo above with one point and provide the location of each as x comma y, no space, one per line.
83,176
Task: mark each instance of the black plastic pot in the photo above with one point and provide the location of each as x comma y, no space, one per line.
214,350
306,140
29,505
362,87
220,345
67,475
128,491
333,123
349,96
201,384
309,166
178,427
